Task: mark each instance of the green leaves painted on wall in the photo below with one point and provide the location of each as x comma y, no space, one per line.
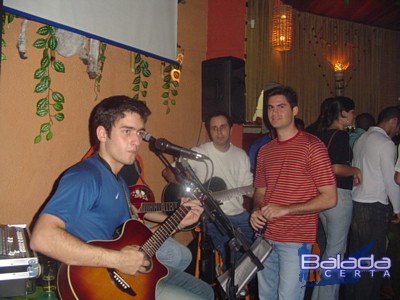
171,84
51,105
6,18
141,71
101,61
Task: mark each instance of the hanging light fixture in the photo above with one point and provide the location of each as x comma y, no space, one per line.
281,26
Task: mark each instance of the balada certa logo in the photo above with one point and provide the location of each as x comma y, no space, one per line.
339,270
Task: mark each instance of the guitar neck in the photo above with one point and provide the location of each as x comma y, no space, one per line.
228,194
162,206
170,225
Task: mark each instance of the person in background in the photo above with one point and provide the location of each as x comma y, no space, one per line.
314,127
363,122
232,165
336,221
91,201
269,130
374,155
260,110
294,181
393,235
258,143
299,123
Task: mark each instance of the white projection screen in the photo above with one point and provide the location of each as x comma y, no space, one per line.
148,27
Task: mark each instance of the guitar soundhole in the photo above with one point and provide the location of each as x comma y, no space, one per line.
150,266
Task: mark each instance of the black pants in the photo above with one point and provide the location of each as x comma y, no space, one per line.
369,223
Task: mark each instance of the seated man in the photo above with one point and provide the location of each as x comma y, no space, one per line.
232,165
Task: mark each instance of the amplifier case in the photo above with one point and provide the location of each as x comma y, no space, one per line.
16,272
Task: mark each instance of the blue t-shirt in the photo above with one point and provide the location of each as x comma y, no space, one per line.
253,151
90,200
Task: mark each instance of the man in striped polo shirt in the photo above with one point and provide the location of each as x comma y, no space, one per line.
294,181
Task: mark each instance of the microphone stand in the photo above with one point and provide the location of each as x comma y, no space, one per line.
216,215
224,225
181,178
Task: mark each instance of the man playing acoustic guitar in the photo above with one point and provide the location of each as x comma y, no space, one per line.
90,201
171,253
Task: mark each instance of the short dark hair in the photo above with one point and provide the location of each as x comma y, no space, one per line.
365,121
286,91
388,113
299,123
112,109
333,111
218,113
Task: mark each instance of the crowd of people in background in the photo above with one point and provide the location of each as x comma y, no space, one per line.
363,155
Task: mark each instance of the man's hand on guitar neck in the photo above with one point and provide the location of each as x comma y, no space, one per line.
194,214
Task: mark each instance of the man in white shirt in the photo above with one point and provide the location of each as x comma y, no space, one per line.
232,165
374,155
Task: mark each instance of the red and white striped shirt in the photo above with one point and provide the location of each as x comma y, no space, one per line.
292,171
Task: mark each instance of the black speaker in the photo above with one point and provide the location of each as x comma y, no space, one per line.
223,87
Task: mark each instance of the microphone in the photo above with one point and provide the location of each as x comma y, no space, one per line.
165,146
146,136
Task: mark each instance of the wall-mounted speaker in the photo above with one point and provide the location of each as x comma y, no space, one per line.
223,87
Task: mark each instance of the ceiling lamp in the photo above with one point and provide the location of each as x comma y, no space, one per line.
281,26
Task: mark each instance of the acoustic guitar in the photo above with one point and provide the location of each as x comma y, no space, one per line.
97,283
172,192
142,198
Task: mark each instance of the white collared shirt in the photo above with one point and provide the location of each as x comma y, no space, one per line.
374,155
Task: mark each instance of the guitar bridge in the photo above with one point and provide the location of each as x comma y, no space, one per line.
120,283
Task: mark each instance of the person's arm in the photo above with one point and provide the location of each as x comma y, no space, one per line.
397,177
340,154
155,217
326,199
169,175
50,238
257,220
345,170
388,168
397,168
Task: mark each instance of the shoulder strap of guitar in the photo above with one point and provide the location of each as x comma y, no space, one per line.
138,164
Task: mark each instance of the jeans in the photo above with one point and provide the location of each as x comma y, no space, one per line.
183,286
174,254
369,223
336,223
220,240
280,278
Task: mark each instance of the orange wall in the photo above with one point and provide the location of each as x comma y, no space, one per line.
226,28
28,171
226,33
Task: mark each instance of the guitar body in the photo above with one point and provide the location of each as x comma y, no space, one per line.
96,283
140,194
172,192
